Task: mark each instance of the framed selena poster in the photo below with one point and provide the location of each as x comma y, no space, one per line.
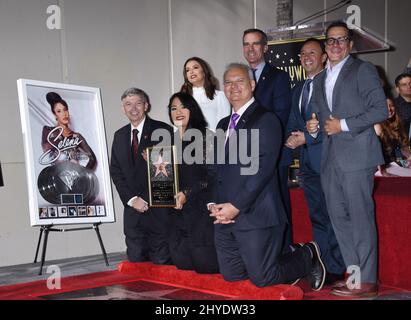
65,153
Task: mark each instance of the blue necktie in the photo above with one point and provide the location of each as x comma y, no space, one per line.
305,98
255,75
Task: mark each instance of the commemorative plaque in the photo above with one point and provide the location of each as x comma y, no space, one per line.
162,174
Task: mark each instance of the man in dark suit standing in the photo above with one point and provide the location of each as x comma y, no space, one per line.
250,218
313,57
145,228
349,100
273,92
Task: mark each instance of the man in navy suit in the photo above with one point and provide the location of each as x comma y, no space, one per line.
313,57
250,218
145,228
273,92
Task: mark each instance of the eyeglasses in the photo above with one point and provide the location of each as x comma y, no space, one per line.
239,82
338,41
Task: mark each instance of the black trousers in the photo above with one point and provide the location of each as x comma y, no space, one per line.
256,255
285,197
147,235
188,250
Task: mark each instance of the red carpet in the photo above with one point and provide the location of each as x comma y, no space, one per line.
242,290
167,275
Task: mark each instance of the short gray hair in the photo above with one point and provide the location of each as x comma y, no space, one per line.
241,66
137,92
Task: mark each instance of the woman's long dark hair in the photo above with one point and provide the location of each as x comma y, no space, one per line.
210,83
196,120
392,130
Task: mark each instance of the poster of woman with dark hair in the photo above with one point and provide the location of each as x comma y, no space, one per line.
66,151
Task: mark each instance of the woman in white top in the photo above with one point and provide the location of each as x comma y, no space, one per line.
200,83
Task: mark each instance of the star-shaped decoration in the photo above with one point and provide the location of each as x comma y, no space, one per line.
285,53
291,60
161,166
277,56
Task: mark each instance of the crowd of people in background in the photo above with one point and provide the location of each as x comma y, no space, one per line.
347,128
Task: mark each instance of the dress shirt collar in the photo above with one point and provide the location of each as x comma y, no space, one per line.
337,68
259,70
244,108
139,128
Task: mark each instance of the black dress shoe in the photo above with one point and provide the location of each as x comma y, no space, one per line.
296,246
316,277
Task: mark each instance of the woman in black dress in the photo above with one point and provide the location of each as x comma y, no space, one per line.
192,232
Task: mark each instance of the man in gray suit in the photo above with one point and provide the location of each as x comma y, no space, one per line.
349,100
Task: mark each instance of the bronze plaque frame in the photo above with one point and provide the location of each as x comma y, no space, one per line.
162,172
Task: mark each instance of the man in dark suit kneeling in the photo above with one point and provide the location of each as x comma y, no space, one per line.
245,200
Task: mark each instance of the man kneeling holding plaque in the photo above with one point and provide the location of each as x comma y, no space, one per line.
145,227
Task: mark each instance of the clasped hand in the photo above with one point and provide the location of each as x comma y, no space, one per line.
332,125
295,140
223,213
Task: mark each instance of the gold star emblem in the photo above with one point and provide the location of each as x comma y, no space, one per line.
161,166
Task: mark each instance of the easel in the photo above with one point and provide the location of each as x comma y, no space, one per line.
49,228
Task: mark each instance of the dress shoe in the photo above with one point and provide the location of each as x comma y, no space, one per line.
316,277
294,247
367,290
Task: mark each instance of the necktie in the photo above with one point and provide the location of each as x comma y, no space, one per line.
134,144
305,97
254,74
233,121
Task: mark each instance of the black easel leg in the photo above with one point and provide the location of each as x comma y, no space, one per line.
43,254
38,244
101,243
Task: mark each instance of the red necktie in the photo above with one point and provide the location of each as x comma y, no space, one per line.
134,144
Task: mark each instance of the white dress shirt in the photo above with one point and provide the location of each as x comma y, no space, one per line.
259,71
240,112
331,79
140,132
